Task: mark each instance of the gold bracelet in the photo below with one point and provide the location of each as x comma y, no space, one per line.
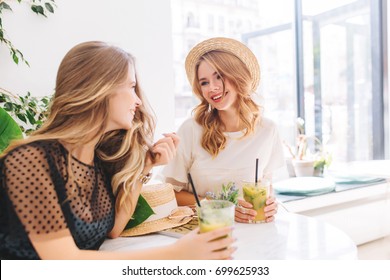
145,178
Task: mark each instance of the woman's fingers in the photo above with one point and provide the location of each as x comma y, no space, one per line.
225,254
165,148
167,143
220,242
244,203
216,244
270,219
272,205
174,137
165,151
218,233
244,212
271,209
270,200
244,215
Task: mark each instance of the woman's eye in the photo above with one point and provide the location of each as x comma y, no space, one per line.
204,83
219,77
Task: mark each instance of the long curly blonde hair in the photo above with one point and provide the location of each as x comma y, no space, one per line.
230,68
79,112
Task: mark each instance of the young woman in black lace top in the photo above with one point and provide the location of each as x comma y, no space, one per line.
76,181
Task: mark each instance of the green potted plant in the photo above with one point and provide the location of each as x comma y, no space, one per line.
28,111
9,130
304,162
322,160
20,115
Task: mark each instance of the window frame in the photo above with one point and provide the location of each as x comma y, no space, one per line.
379,74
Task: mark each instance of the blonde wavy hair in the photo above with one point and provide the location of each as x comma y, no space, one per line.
230,68
86,79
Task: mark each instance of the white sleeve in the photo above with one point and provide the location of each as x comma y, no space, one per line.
179,167
276,164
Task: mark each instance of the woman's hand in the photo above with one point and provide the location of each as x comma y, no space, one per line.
245,214
212,245
164,150
271,209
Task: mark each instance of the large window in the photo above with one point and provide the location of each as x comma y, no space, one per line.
338,48
320,60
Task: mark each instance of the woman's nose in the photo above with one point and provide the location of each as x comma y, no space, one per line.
138,101
214,86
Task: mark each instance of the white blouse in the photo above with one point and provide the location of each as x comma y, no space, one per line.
235,163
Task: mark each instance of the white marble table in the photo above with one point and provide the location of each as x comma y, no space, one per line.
291,236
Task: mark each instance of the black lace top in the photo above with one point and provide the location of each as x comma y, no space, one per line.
37,197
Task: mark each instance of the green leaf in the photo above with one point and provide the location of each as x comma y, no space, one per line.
38,10
9,130
15,58
45,101
141,213
21,117
5,6
30,117
49,7
8,106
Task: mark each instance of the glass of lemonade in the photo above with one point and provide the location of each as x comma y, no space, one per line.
257,194
214,214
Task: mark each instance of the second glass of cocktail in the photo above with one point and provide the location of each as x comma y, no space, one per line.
257,194
214,214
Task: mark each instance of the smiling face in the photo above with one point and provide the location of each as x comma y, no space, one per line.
218,92
123,103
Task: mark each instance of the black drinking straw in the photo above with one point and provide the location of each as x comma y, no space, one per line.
257,168
193,189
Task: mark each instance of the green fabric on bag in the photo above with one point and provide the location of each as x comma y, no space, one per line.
9,130
141,213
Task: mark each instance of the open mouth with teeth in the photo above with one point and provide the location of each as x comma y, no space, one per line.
218,97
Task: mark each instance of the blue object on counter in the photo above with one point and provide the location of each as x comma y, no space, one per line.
306,186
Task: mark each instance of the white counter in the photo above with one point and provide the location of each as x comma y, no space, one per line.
363,213
291,236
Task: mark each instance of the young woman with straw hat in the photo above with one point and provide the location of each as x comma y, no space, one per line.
77,180
227,133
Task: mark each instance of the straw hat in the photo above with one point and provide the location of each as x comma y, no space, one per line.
228,45
162,200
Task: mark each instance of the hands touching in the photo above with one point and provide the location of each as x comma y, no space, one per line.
245,214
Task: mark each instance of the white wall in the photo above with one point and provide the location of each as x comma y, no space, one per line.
141,27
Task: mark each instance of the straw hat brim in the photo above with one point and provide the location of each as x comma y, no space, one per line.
228,45
154,226
161,198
